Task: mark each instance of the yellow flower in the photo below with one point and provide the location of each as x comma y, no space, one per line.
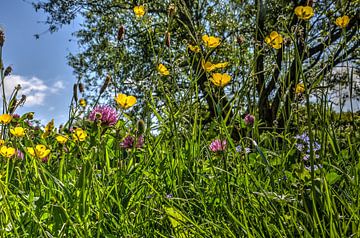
208,66
79,134
163,70
194,48
300,88
82,102
275,40
2,142
220,80
342,21
5,119
304,12
211,41
61,139
125,101
7,151
49,127
18,131
139,11
40,151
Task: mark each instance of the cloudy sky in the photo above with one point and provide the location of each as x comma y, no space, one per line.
39,65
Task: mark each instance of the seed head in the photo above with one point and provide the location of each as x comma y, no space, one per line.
167,39
106,84
75,93
2,38
81,88
172,10
121,33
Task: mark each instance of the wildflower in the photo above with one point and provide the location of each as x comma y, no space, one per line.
163,70
2,142
79,134
304,12
172,9
5,119
342,22
170,195
18,131
61,139
275,40
7,151
217,145
40,151
220,80
19,154
211,41
316,167
239,149
194,48
249,119
208,66
125,101
139,11
300,88
82,102
106,114
129,142
49,127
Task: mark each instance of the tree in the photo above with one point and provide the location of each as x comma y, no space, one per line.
113,41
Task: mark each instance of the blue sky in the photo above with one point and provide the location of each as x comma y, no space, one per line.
39,65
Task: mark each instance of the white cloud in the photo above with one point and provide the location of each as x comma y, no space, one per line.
57,86
34,88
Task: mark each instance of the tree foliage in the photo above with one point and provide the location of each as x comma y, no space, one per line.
263,79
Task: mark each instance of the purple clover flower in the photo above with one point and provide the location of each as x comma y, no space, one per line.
106,114
19,154
129,142
217,145
249,119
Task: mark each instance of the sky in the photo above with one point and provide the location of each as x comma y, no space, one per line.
39,65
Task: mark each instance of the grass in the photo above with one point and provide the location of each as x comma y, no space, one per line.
302,181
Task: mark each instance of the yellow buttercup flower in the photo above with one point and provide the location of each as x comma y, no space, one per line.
40,151
342,21
211,41
300,88
18,131
82,102
79,134
275,40
2,142
194,48
208,66
7,151
163,70
139,11
125,101
61,139
304,12
5,119
220,80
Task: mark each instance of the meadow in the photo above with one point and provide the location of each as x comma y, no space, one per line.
172,171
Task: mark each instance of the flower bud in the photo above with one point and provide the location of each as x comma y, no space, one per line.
121,33
167,39
249,119
2,38
75,93
7,71
140,127
81,88
106,84
240,39
172,10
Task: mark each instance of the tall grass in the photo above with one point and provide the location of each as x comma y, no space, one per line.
175,186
